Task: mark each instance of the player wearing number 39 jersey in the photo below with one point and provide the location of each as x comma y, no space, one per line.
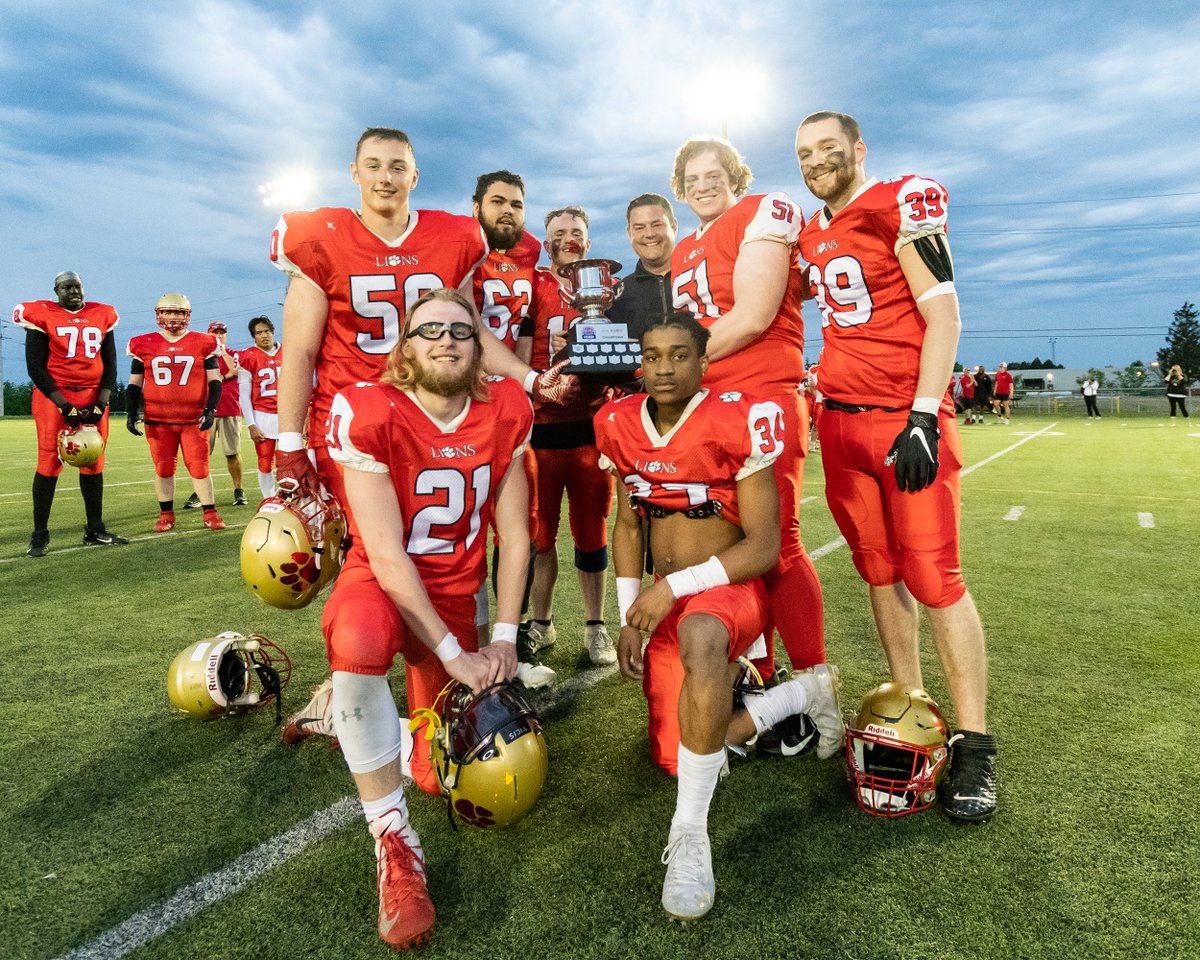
880,267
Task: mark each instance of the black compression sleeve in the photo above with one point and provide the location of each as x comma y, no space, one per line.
37,356
936,255
214,394
133,399
108,356
136,367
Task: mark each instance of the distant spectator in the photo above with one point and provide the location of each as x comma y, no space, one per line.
1002,400
1177,391
1089,389
983,393
228,424
966,384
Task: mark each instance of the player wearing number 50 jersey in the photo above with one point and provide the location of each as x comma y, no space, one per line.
71,356
258,375
737,275
879,263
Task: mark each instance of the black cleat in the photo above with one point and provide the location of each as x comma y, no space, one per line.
239,497
38,543
792,736
192,503
530,670
969,790
100,537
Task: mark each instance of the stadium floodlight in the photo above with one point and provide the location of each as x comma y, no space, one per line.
728,89
290,189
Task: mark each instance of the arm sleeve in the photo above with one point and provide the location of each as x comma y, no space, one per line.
108,356
214,394
245,385
37,356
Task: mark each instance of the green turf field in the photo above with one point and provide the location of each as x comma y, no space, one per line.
111,804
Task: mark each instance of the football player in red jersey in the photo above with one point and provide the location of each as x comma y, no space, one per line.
879,262
564,446
181,397
227,427
431,454
353,275
696,467
259,378
71,356
737,275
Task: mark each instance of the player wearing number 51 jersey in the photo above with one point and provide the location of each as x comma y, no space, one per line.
737,275
878,261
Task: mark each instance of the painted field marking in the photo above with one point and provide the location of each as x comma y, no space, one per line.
804,500
157,920
1014,513
75,490
1146,521
149,537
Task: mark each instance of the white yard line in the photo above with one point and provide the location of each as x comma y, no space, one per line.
213,887
1146,521
1014,513
149,537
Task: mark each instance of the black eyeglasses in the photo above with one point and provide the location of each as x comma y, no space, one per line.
434,329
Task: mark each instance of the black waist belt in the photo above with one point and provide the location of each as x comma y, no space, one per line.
710,508
840,407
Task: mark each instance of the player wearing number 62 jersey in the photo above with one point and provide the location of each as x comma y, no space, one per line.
737,275
880,266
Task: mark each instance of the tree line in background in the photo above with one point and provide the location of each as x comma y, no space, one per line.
1182,347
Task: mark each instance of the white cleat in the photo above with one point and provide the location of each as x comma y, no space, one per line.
821,685
689,888
535,675
315,718
600,646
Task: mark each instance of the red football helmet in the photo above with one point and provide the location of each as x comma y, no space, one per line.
173,311
896,751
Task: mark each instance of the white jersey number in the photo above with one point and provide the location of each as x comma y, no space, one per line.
691,292
841,292
161,368
386,333
91,338
421,541
496,298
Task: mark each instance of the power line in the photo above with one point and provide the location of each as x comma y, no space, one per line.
1106,227
1032,203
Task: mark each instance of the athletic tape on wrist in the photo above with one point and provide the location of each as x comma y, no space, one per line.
926,405
698,577
290,441
448,649
527,383
628,589
504,633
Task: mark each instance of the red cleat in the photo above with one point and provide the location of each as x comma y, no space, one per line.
213,520
405,911
166,521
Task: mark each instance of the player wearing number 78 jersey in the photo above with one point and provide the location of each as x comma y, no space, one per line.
878,261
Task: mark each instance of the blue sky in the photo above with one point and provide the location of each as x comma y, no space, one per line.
134,137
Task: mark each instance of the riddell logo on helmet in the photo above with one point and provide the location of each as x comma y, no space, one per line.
882,731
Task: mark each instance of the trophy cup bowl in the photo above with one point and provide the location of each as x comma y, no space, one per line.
596,346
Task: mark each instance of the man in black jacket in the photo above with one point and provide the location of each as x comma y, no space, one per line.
651,224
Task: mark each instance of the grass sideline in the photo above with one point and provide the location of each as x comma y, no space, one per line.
110,802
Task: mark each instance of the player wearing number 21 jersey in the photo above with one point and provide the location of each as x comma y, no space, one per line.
880,266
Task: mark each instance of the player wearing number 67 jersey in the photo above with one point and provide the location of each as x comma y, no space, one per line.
258,375
878,261
737,275
71,357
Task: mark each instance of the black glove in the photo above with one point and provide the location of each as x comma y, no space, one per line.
95,412
915,452
70,413
207,418
131,421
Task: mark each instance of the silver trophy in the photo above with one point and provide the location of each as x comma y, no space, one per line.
595,345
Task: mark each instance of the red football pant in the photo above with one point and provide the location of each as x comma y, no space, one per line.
49,423
363,633
893,535
742,608
165,441
529,461
589,497
796,603
265,450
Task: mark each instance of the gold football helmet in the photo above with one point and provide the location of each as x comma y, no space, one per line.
216,676
896,750
168,309
80,446
292,548
489,754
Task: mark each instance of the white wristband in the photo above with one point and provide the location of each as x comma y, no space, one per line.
527,383
504,633
289,442
628,589
448,649
937,290
698,577
926,405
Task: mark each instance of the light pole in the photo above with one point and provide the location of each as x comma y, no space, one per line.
1053,341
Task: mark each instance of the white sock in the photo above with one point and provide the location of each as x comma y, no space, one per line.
266,483
780,701
366,721
698,775
393,809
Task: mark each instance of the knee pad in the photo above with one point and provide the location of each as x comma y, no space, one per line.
876,568
366,720
591,561
934,581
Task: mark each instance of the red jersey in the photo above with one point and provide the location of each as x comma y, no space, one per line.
967,382
263,368
702,284
369,284
721,438
504,288
176,384
445,475
75,338
873,329
548,315
1004,382
230,404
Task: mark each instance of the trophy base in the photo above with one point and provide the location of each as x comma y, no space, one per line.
601,349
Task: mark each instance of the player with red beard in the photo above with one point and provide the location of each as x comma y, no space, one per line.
259,379
71,356
431,454
880,265
564,444
737,275
181,396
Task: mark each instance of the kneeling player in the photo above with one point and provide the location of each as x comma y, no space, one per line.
429,454
695,463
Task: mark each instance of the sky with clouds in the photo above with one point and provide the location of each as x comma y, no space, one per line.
134,137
